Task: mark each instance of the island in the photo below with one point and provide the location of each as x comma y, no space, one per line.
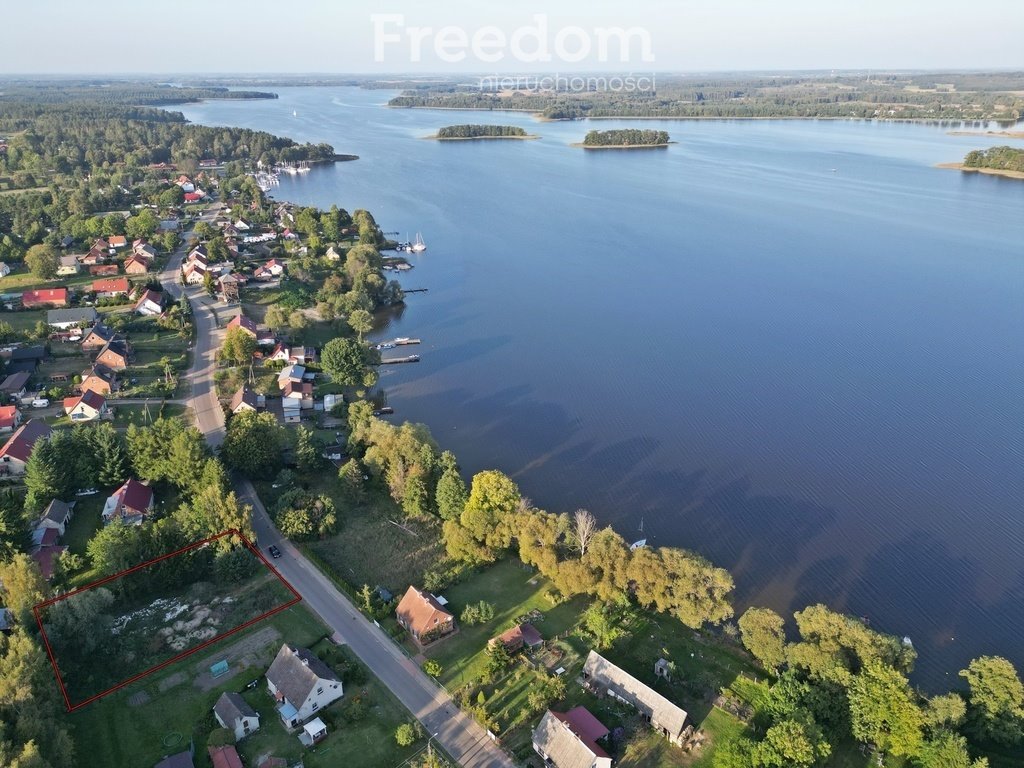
997,161
629,138
471,132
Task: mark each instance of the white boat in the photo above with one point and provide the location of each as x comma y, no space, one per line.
294,113
638,545
419,246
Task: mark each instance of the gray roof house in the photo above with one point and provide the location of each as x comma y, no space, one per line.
56,515
6,620
569,740
71,318
301,684
606,678
234,713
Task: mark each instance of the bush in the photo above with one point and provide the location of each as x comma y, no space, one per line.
405,735
477,613
432,668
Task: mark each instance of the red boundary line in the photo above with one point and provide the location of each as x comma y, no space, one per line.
230,532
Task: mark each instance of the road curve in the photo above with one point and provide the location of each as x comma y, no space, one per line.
461,736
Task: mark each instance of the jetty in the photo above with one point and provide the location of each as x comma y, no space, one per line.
403,341
398,360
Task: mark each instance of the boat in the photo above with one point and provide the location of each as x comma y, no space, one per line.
640,544
401,339
384,346
418,246
294,113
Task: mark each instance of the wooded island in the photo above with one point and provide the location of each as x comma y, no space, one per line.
470,132
629,138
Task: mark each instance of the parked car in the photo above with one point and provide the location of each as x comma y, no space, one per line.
40,402
87,492
274,552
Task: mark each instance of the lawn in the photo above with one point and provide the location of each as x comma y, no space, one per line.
85,521
125,414
113,732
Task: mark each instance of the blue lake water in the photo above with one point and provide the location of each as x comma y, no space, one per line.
813,377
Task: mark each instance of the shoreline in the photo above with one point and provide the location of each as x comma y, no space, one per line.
987,171
995,134
663,145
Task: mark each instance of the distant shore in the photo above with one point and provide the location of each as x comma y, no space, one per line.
988,171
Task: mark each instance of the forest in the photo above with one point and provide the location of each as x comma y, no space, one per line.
116,92
630,137
887,97
999,158
480,131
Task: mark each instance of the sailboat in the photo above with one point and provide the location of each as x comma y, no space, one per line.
419,246
295,113
639,543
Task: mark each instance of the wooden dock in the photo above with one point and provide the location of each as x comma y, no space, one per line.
397,360
405,342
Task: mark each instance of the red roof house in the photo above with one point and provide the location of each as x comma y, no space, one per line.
45,297
15,452
131,502
119,286
424,617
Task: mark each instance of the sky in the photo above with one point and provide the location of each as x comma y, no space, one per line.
473,36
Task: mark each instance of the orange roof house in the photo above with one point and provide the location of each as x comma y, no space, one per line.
424,617
45,297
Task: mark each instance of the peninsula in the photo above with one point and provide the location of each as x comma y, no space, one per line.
473,132
997,161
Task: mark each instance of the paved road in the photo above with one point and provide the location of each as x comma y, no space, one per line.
461,736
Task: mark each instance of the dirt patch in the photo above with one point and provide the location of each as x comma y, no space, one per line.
172,680
138,699
249,652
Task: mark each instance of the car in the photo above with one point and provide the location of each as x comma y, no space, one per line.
87,492
40,402
274,551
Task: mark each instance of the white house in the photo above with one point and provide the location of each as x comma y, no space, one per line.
69,265
89,406
149,303
79,317
570,740
57,515
301,684
234,713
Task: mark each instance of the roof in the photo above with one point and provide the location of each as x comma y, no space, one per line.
69,261
420,611
77,315
301,388
19,445
180,760
666,714
149,295
101,331
231,707
100,371
295,672
46,559
44,295
525,634
93,400
6,618
35,352
117,346
243,395
15,382
117,241
291,373
57,511
563,744
8,413
135,495
137,258
241,321
116,285
224,757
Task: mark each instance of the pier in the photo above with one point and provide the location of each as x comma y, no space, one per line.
397,360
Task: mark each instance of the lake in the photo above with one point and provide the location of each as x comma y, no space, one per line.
792,346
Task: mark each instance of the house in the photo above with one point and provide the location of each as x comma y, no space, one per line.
243,322
606,678
569,740
131,502
294,355
68,266
241,225
117,241
301,391
209,162
71,318
5,269
272,268
194,197
521,635
289,235
57,515
100,244
290,373
115,355
103,270
10,418
332,254
99,379
45,297
143,249
46,558
246,399
301,684
108,289
14,384
97,337
169,225
93,257
6,620
136,264
313,732
180,760
234,713
227,285
224,757
185,183
424,617
88,406
194,272
15,452
32,356
149,303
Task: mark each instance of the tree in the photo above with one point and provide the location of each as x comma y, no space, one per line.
361,322
996,711
45,477
21,586
883,711
584,528
276,317
348,362
415,495
681,583
253,443
432,668
791,744
762,630
43,261
599,620
493,499
303,516
109,447
948,750
307,451
451,495
238,347
13,525
351,478
405,735
946,711
477,613
81,621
